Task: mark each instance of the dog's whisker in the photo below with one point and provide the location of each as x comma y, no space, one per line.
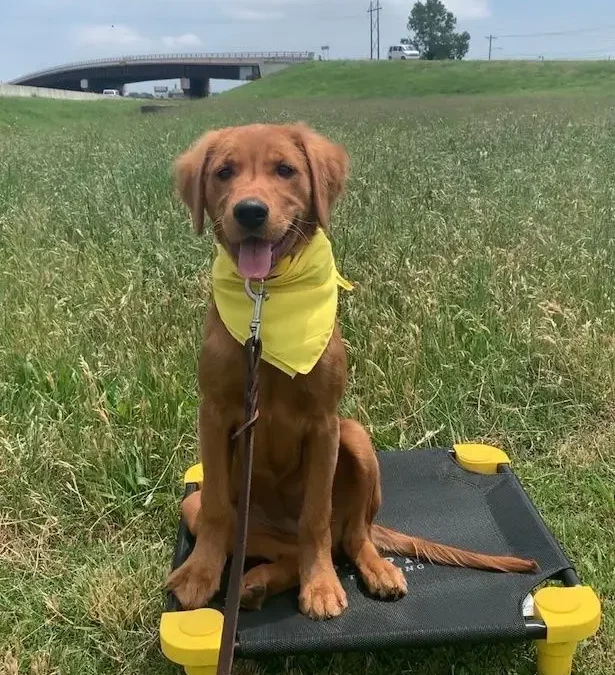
218,226
294,228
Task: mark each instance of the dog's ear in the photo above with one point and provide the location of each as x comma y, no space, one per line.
328,164
190,171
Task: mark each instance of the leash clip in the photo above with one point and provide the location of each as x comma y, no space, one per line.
257,297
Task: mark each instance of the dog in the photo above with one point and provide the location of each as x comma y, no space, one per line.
268,190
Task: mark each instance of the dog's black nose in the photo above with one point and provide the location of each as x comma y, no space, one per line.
251,213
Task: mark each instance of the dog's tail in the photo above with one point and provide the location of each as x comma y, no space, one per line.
390,541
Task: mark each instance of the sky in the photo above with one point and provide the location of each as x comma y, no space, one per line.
36,34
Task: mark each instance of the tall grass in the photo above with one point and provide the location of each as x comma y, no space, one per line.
480,236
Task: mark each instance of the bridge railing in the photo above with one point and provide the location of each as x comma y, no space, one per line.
202,56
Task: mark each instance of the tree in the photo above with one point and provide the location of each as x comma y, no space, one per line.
433,27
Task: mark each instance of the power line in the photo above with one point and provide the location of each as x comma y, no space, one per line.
576,31
561,33
374,25
564,56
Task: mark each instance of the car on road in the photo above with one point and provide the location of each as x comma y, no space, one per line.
111,92
403,52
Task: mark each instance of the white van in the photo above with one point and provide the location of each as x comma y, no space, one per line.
111,92
402,52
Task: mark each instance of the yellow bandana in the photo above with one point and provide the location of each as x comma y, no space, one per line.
298,317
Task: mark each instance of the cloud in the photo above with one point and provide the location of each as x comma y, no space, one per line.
109,35
469,9
247,14
185,41
99,36
268,5
260,10
462,9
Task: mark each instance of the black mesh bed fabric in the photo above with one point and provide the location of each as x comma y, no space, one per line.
426,493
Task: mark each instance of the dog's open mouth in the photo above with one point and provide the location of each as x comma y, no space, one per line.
257,256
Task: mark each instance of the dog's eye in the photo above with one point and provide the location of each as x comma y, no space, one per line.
285,171
224,173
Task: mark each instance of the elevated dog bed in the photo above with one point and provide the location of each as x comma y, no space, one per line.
467,497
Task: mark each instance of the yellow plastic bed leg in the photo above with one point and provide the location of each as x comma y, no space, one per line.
555,659
194,474
192,639
479,458
570,615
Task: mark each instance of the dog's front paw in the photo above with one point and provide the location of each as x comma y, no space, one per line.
384,580
195,582
323,598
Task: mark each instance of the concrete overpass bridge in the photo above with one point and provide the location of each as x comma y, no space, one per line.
194,70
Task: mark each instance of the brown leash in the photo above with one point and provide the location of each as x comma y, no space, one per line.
253,348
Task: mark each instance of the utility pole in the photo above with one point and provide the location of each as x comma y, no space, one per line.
491,38
374,24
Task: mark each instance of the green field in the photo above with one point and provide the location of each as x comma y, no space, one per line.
479,231
409,79
33,113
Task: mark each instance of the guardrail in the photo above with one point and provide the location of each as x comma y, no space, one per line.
220,56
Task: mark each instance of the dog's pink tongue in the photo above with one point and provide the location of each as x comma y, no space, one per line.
254,258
